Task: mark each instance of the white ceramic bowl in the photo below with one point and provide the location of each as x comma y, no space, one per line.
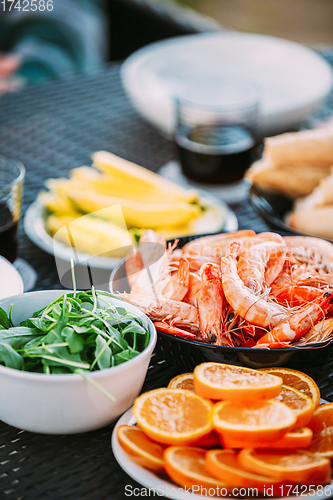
66,404
295,79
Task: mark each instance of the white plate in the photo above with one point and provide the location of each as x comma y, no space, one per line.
10,280
35,230
295,79
149,479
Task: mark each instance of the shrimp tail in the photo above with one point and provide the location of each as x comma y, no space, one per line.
164,327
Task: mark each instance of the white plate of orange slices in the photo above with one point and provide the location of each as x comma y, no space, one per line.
166,446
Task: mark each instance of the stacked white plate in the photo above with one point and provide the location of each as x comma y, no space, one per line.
295,80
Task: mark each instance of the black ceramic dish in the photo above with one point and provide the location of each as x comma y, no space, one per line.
187,354
273,208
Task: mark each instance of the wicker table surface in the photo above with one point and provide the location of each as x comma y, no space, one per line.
52,128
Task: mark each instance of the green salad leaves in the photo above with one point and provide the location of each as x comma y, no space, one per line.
72,335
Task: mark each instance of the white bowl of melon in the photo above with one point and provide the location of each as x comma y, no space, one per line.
95,215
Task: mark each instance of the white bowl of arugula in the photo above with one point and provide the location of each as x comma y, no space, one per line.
70,361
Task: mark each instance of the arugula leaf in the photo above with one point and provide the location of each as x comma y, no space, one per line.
10,357
17,336
123,356
40,324
133,327
75,341
102,353
121,310
4,320
63,317
81,329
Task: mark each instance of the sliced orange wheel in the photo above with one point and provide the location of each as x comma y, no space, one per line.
298,380
299,438
263,420
322,427
141,448
173,416
229,382
185,465
225,466
299,466
303,406
183,381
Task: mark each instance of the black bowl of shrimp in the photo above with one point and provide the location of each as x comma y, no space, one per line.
258,300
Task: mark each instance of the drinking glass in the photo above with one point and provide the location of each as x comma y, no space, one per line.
218,128
12,174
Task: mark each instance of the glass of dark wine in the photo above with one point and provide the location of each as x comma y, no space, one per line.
218,132
12,175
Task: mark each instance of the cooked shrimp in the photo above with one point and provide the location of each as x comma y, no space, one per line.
155,266
318,281
195,283
294,295
178,284
297,324
256,310
261,264
133,264
151,253
211,304
196,262
215,245
209,272
175,256
313,250
176,313
173,330
321,332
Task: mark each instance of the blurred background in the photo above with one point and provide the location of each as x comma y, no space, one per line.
81,35
303,21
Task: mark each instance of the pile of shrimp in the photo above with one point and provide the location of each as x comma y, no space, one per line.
238,289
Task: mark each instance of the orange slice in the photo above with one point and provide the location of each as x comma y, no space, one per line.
173,416
299,438
183,381
303,406
297,380
224,465
211,440
185,465
322,427
220,381
263,420
299,466
142,450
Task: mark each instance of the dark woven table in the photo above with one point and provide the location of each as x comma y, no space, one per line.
51,129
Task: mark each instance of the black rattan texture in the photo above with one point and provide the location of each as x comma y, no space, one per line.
52,128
